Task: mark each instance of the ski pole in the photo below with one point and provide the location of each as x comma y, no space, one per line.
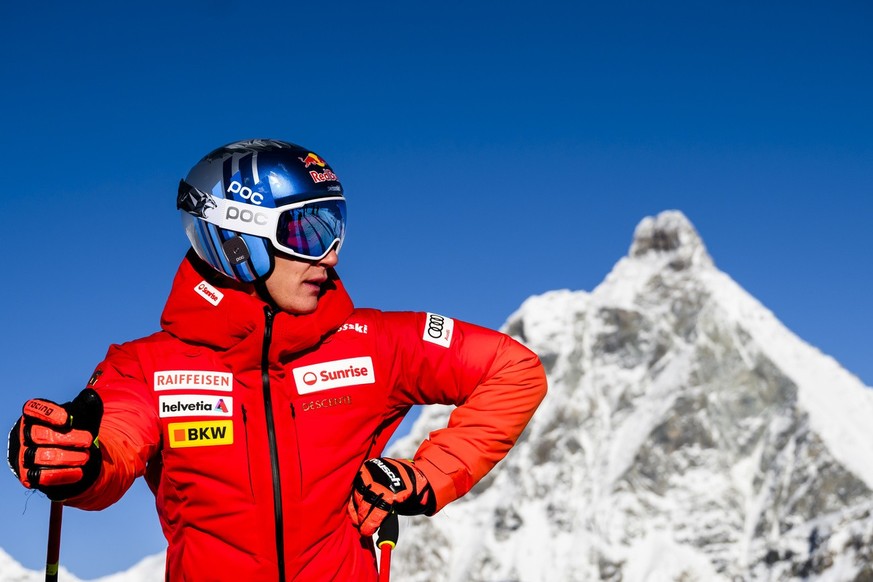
388,533
89,410
53,550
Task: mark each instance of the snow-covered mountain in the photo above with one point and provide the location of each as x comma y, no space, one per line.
149,569
687,436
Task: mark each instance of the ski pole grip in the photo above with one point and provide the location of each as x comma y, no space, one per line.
389,531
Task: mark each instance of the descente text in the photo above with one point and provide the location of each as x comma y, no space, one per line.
326,403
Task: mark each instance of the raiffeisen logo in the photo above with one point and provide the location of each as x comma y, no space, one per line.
335,374
196,379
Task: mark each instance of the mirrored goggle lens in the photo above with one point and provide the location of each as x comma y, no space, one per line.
312,230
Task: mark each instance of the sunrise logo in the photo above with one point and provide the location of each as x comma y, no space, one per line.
334,374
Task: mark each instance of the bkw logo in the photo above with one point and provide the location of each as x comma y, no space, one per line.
200,434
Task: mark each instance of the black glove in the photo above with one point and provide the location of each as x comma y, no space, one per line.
384,485
54,448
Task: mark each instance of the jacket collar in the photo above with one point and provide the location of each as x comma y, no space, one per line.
206,308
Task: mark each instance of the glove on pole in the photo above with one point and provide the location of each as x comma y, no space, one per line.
54,448
383,485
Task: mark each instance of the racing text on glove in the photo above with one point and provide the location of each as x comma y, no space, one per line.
54,447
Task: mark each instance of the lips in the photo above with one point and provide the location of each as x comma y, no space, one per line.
315,283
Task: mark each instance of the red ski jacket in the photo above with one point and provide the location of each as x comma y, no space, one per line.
250,425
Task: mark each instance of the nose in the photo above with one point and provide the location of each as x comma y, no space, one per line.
330,259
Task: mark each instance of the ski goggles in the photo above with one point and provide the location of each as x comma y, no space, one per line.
307,230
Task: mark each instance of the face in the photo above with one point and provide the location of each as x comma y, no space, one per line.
295,283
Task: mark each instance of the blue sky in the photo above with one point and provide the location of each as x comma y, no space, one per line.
489,151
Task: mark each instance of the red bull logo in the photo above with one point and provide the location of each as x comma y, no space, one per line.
325,176
311,159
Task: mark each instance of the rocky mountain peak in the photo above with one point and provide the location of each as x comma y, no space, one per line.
687,435
669,234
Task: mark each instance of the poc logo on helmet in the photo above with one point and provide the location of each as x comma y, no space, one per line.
245,215
245,193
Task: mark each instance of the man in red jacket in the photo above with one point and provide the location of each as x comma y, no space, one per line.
259,412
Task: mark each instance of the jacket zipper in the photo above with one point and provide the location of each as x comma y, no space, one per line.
271,437
245,420
297,440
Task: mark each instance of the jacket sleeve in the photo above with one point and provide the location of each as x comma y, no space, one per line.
495,382
129,432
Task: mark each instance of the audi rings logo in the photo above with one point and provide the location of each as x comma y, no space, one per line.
435,326
309,378
438,330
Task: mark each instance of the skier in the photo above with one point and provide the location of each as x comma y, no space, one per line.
258,414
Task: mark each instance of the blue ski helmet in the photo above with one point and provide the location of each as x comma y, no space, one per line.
249,199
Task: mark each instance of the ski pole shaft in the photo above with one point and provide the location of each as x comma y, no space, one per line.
389,531
53,550
385,565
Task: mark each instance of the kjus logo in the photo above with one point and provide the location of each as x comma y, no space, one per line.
194,405
245,192
336,374
311,159
204,433
438,330
209,293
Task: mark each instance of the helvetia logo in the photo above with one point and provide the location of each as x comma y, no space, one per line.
194,405
335,374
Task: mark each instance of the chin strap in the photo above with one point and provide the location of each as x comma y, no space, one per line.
261,289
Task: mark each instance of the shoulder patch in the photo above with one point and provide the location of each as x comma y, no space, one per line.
94,377
209,293
438,330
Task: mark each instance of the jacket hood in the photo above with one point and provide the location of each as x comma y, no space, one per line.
205,308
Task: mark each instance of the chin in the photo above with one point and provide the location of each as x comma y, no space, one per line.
299,308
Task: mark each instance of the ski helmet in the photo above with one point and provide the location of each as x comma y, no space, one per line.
249,199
